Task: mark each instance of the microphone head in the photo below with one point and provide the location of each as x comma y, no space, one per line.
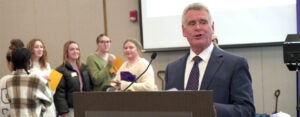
153,56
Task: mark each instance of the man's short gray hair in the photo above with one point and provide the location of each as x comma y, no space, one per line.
195,6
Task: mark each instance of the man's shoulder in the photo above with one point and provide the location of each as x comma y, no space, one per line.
231,58
178,61
227,54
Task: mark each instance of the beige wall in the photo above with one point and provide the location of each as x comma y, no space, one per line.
56,21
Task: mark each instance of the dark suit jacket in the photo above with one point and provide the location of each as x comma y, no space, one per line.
227,75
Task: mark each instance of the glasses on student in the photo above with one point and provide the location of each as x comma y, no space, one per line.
105,42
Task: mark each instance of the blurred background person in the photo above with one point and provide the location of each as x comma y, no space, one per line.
4,104
100,63
27,94
75,79
135,65
39,65
215,40
14,44
39,58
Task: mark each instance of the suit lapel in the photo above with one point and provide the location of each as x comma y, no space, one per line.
181,71
216,59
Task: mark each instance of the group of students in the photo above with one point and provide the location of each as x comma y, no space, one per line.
203,67
30,65
24,92
101,61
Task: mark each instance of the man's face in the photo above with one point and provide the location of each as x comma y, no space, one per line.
198,28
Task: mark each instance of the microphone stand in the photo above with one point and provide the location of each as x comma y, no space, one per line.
277,93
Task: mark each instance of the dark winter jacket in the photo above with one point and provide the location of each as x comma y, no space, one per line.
63,97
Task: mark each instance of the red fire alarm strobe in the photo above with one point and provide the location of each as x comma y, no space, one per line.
133,15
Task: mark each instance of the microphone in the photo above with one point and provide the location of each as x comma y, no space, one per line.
153,56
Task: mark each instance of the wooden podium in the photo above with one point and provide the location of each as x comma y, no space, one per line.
144,104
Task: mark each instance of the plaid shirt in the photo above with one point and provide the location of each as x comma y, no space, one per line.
27,95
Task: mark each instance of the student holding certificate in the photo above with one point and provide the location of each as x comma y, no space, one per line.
39,65
75,78
133,67
100,63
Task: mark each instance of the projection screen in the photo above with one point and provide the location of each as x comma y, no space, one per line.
238,23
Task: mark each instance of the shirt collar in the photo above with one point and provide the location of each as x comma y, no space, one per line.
19,72
205,55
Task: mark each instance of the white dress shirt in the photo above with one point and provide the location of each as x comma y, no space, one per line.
205,55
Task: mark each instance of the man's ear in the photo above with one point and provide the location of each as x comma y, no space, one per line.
183,30
213,27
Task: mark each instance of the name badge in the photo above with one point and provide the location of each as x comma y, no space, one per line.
73,74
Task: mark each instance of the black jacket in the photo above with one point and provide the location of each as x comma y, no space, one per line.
63,97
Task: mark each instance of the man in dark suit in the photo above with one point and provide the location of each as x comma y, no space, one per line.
227,75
